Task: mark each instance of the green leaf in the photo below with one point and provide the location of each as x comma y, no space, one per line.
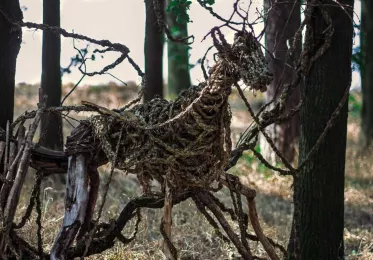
174,29
209,2
179,9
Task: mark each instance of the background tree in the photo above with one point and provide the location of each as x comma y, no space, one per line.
153,47
319,186
51,123
282,23
10,44
366,69
178,53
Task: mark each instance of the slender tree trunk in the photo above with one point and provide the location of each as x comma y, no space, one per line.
178,57
282,24
10,44
154,40
319,186
367,71
51,123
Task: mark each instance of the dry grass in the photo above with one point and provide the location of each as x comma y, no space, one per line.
192,235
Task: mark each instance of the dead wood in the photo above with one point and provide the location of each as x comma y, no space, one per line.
76,202
15,191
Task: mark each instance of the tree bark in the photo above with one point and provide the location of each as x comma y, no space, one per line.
154,40
51,123
178,57
366,69
10,44
282,24
319,186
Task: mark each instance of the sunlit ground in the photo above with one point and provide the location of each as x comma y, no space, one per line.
192,234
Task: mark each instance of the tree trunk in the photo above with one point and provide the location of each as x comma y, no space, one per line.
51,124
10,44
366,69
178,57
282,24
154,40
319,186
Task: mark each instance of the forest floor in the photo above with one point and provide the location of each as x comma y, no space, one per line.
192,234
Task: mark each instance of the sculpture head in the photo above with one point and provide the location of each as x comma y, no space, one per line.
250,63
243,60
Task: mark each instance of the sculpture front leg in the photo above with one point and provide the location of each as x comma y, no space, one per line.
94,184
168,248
76,201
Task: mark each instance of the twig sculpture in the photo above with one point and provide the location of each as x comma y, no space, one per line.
184,145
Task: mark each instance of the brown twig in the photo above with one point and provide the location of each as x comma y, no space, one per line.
261,129
35,192
106,190
167,222
15,191
208,203
258,230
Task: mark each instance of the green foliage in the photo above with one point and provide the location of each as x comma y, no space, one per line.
250,160
354,105
208,2
179,9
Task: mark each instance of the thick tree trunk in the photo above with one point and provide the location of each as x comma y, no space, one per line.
154,40
283,22
367,71
10,43
319,186
51,124
178,57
